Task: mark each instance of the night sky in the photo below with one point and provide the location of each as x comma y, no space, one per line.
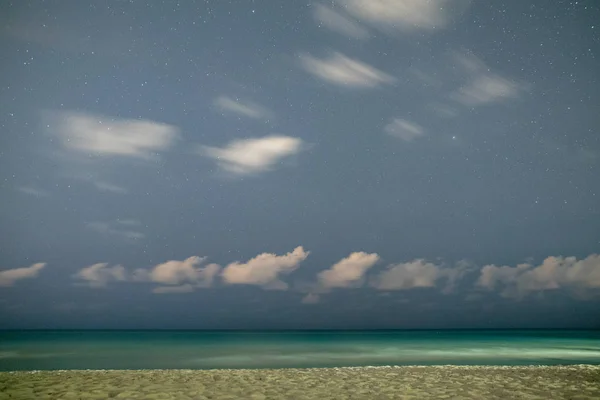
263,164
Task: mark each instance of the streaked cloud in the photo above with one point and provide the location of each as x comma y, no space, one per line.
483,86
243,108
33,191
10,276
344,71
250,156
98,275
554,273
109,187
264,270
338,22
486,88
98,135
405,15
404,129
116,229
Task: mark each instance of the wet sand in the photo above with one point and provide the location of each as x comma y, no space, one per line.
431,382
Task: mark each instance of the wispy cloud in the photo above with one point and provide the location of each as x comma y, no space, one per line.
264,269
250,156
98,135
98,275
344,71
486,88
338,22
10,276
553,273
116,229
483,86
404,129
406,15
244,108
109,187
33,191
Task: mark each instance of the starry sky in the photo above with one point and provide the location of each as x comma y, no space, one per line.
262,164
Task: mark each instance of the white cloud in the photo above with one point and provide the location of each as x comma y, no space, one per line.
486,88
553,273
187,288
247,109
407,15
105,136
483,86
339,23
98,275
248,156
109,187
183,272
10,276
348,272
116,230
344,71
33,191
404,129
264,270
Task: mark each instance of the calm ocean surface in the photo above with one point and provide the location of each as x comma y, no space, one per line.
43,350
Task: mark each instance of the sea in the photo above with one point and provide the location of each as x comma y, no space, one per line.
161,349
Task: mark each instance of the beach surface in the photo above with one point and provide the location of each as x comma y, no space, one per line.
406,382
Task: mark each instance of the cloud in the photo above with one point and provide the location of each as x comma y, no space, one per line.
100,135
405,15
249,156
109,187
404,129
187,288
553,273
246,109
264,270
10,276
98,275
420,274
339,23
486,88
311,298
443,110
107,228
483,86
33,191
348,272
414,274
184,273
344,71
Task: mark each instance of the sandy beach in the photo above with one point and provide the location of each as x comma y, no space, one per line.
430,382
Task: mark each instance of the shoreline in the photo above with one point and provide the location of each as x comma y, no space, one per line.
441,366
580,381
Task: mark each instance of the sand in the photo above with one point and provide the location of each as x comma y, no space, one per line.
431,382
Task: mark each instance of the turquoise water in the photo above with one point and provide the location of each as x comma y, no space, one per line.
46,350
